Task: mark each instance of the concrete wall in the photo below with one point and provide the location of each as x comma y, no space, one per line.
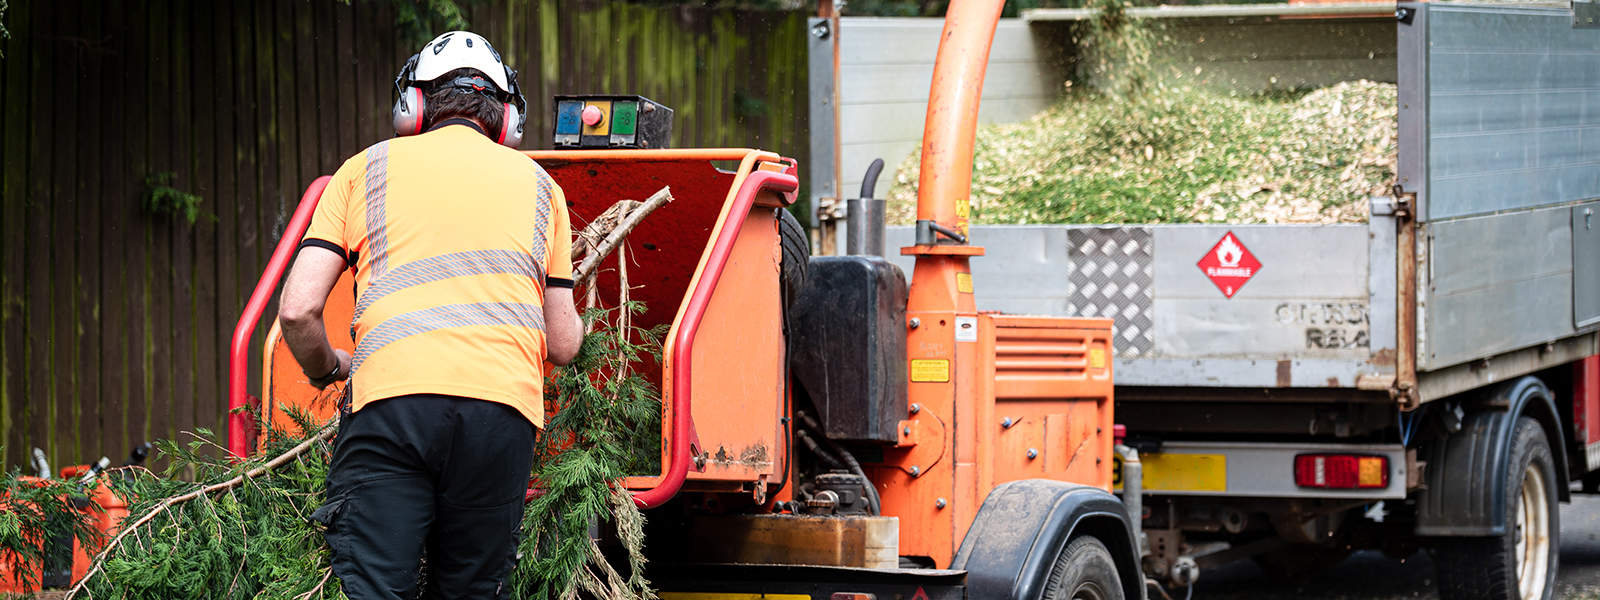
1254,55
886,67
1250,49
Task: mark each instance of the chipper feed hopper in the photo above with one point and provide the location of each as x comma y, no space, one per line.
828,429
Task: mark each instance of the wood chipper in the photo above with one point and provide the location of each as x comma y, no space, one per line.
828,431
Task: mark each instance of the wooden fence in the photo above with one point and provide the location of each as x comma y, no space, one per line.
114,319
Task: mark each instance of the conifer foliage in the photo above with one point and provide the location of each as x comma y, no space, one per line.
32,511
605,426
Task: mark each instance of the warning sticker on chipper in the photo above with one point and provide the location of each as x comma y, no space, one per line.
930,370
1229,265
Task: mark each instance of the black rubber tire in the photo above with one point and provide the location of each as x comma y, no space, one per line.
796,256
1084,571
1486,568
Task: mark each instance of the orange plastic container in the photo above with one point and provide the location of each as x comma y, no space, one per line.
105,510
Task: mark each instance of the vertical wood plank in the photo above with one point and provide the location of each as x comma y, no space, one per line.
6,151
58,206
226,24
133,301
40,238
63,438
179,350
531,75
378,69
248,124
311,119
209,51
283,186
348,91
13,219
158,350
111,252
87,400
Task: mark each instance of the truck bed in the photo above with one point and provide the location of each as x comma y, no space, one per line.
1499,177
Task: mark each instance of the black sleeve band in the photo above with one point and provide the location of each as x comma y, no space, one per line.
349,258
558,282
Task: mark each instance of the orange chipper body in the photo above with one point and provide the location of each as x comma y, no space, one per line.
705,265
993,398
990,398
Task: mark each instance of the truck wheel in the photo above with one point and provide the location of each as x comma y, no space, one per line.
796,255
1521,564
1084,571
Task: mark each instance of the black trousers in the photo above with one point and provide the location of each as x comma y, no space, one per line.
425,473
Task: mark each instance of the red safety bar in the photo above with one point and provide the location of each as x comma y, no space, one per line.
683,342
239,352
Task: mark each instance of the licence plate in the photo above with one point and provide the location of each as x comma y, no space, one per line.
1178,472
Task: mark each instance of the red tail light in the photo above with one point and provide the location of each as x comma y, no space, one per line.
1341,471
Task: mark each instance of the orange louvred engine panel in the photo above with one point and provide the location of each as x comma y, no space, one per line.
1052,399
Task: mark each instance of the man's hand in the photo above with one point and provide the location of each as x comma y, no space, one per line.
332,376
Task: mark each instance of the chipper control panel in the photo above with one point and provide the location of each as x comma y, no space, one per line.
611,122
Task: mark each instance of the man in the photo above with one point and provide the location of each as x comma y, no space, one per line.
461,248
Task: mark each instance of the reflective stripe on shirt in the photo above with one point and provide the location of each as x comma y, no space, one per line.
445,317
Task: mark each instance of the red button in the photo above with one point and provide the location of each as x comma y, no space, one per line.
592,115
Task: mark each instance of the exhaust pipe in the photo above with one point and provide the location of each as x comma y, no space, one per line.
865,217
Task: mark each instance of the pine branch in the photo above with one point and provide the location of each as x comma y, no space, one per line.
166,505
592,258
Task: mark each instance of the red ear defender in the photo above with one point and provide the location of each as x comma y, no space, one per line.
417,100
510,127
408,112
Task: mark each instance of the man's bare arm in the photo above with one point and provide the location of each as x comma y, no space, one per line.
563,329
305,293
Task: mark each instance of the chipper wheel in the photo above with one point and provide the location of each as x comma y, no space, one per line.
1052,540
1084,571
796,253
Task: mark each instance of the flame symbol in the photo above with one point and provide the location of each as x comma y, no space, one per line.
1229,253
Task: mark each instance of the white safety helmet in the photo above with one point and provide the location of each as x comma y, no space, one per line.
448,52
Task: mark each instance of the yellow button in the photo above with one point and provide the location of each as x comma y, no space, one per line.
603,127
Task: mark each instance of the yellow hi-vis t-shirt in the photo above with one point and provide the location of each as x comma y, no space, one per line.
453,239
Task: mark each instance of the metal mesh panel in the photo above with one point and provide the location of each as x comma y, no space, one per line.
1110,276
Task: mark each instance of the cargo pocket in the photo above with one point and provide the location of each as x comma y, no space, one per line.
330,516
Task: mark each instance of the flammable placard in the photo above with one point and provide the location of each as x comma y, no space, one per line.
1229,264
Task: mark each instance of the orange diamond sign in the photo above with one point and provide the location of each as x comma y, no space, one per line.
1229,264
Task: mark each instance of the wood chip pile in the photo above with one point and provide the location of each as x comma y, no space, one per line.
1178,155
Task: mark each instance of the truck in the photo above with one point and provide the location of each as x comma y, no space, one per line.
1427,379
950,455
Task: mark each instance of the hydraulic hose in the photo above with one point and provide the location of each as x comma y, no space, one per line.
849,460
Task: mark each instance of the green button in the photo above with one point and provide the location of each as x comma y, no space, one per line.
624,118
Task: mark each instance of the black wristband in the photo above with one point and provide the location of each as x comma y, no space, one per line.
329,379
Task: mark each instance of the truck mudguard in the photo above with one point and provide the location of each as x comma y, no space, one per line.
1464,493
1022,527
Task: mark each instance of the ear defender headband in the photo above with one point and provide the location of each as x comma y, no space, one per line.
409,107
